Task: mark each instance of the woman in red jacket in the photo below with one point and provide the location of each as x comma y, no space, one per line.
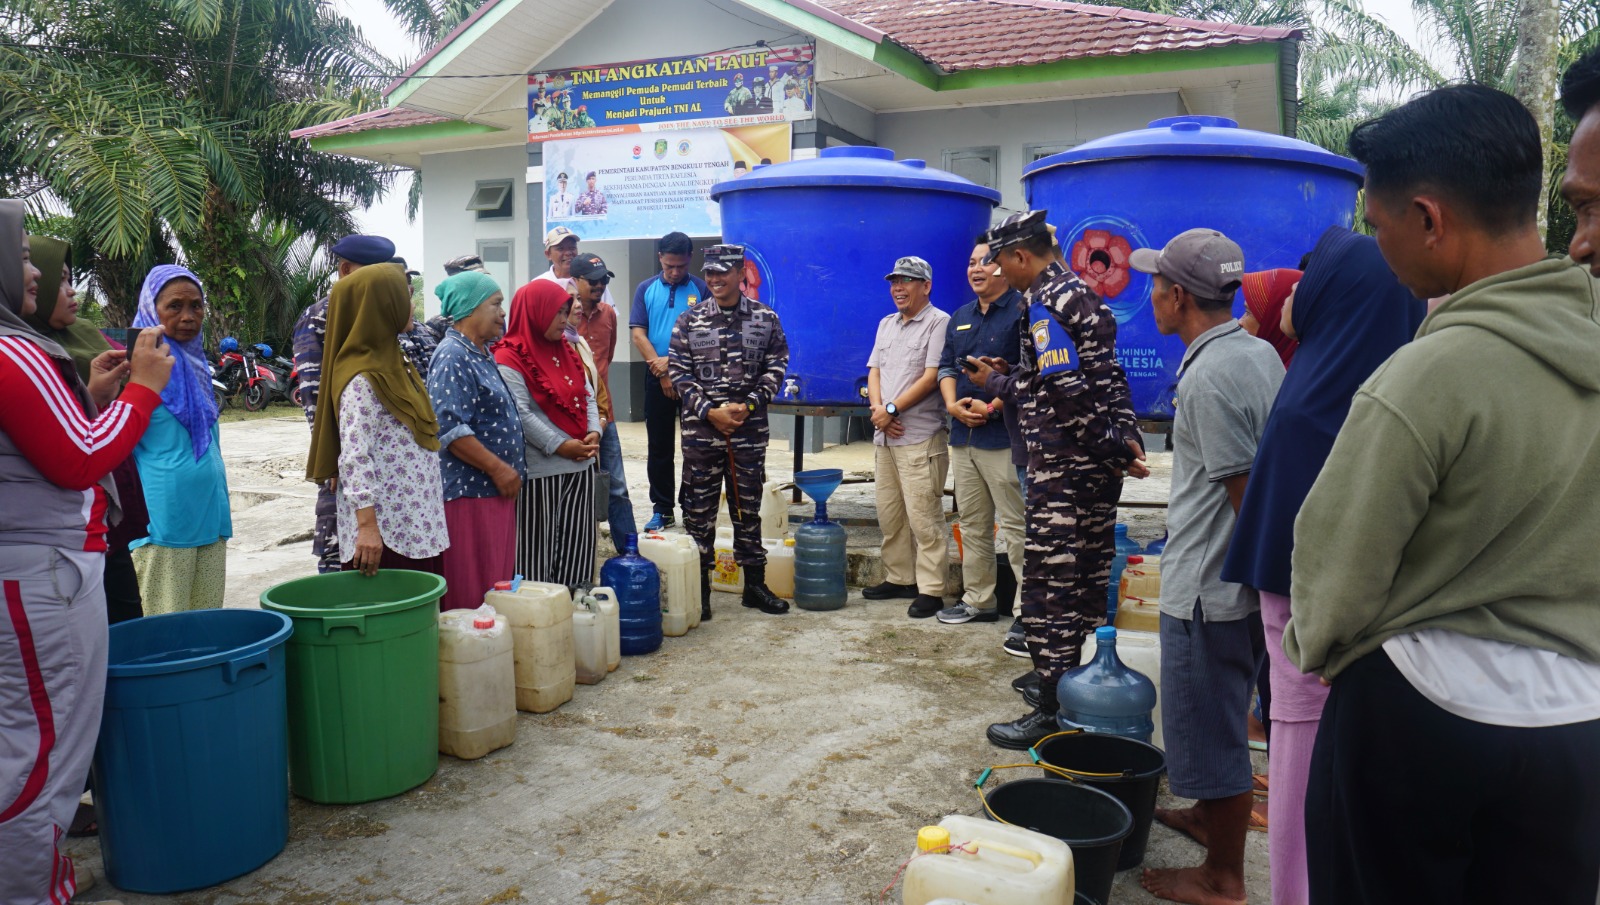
59,441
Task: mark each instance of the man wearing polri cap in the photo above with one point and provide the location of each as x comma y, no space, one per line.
1077,418
727,358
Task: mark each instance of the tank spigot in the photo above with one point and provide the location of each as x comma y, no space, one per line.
790,388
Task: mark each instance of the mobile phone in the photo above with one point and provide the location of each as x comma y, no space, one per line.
123,336
969,364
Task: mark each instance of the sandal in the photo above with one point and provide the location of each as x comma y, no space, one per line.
1258,818
1258,785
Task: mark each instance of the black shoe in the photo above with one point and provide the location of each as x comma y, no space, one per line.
1024,733
1029,678
924,606
756,594
1030,696
890,591
705,597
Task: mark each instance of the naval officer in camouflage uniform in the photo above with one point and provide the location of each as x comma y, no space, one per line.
1077,419
726,360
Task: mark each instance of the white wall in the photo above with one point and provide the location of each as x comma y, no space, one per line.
450,230
928,134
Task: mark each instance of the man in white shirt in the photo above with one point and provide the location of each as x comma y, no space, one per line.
561,201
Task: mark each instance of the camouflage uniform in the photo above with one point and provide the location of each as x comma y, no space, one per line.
717,357
1076,424
417,343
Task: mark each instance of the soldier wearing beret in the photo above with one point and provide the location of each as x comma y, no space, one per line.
727,358
1077,419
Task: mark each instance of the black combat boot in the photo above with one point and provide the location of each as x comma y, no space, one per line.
705,596
756,595
1030,729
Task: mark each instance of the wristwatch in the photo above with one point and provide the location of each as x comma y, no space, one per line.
892,409
992,411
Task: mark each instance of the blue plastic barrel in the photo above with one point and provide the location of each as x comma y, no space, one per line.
822,233
637,583
1106,695
1273,195
191,775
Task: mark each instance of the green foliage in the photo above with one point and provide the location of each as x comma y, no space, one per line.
162,127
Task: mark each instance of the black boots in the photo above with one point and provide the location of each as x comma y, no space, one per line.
756,595
705,596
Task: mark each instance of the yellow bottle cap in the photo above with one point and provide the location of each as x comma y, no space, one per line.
933,839
788,542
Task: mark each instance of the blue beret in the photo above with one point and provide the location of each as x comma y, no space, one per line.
364,249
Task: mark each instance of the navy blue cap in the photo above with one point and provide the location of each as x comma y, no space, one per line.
364,249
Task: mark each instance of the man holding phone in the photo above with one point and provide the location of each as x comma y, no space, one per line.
980,446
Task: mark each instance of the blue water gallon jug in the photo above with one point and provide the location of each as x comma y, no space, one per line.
1125,547
1105,695
1156,546
819,563
638,585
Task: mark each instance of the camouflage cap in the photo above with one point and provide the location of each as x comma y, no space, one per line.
723,258
1014,230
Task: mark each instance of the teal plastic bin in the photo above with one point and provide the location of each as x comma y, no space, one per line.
189,772
363,682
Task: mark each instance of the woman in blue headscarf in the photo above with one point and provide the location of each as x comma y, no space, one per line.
182,564
1349,314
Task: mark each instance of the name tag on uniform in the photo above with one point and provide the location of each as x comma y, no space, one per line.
1054,348
704,340
961,327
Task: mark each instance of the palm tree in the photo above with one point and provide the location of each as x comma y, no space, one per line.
166,123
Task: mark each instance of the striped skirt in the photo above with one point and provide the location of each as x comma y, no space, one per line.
556,530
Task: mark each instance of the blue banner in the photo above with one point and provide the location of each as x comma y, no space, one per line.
741,87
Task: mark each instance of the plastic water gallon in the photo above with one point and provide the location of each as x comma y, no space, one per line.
1106,695
774,511
541,629
725,573
1141,652
987,863
477,683
637,586
1126,547
588,641
1157,547
1141,579
819,546
611,616
678,558
780,566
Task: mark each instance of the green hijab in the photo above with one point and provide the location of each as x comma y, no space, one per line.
367,311
81,339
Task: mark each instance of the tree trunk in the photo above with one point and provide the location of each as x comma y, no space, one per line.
1538,43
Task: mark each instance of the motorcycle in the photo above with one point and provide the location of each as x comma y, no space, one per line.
286,372
244,377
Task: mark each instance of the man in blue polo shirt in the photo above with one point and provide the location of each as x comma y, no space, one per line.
657,304
980,445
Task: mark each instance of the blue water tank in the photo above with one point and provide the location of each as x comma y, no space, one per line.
1273,195
637,584
1107,695
822,233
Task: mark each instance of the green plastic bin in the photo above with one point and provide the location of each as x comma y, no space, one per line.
363,682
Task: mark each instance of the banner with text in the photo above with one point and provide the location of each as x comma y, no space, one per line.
748,86
645,186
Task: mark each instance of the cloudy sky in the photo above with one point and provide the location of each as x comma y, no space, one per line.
386,33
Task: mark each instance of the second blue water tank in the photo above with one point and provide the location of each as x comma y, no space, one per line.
1271,194
822,233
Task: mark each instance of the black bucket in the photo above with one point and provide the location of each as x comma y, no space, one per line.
1138,767
1091,822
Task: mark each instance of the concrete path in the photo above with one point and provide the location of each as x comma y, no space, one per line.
759,759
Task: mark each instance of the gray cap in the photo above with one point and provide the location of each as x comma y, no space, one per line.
1203,261
913,267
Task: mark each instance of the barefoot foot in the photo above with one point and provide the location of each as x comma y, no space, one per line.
1192,885
1186,821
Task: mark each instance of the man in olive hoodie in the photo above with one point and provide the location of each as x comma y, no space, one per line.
1445,578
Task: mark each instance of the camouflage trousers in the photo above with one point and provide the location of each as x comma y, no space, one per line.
705,478
325,536
1065,570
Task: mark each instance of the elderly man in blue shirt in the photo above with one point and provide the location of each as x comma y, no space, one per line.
987,487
